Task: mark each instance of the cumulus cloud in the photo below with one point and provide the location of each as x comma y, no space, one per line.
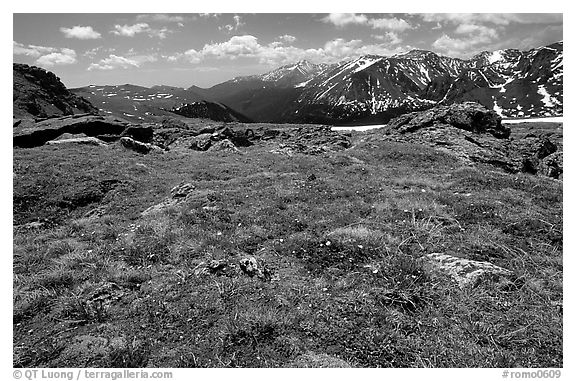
287,38
393,23
209,15
80,32
30,50
276,53
119,62
493,18
388,37
159,17
45,55
113,62
191,55
140,28
237,46
130,30
64,57
470,37
343,19
232,27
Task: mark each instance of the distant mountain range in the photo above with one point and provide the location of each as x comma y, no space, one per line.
368,89
375,88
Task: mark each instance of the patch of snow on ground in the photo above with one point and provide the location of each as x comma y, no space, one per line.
558,119
363,64
545,96
497,108
555,119
495,56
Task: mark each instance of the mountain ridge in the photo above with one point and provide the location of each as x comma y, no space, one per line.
373,88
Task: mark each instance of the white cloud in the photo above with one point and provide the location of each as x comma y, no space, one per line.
80,32
287,38
208,15
478,30
388,37
130,30
393,23
114,62
159,17
471,38
493,18
276,53
133,30
30,50
237,24
64,57
343,19
160,33
45,55
237,46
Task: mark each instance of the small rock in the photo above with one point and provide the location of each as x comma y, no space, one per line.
137,146
467,272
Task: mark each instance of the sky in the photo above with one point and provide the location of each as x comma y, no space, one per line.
204,49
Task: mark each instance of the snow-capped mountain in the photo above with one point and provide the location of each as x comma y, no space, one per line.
366,89
512,82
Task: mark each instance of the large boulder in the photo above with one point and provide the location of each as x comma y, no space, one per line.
468,116
141,133
201,142
33,134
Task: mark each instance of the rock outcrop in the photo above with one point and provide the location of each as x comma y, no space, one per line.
310,140
29,133
475,135
40,93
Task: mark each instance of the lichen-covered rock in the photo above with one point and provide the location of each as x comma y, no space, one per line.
467,272
224,146
474,135
34,134
137,146
468,116
552,166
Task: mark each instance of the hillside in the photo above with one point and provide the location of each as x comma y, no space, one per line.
142,104
40,93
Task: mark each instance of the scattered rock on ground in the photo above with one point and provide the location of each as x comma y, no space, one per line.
250,267
183,192
137,146
467,272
